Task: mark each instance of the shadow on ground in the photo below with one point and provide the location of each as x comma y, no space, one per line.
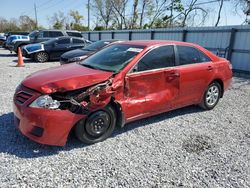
8,55
14,143
32,61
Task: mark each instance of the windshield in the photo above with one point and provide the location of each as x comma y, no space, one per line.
97,45
33,34
113,58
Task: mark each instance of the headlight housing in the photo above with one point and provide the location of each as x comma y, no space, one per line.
45,101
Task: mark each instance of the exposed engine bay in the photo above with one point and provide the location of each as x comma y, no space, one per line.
82,101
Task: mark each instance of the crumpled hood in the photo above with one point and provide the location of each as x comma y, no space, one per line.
65,78
76,53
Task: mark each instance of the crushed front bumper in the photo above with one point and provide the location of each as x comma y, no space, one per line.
44,126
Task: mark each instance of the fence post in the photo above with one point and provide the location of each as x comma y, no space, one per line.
231,44
112,35
100,36
88,35
152,35
184,35
130,35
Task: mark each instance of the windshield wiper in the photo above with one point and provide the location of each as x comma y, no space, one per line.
86,49
89,66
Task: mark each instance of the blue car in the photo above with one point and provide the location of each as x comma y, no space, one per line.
10,43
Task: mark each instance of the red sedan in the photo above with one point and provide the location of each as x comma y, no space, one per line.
119,84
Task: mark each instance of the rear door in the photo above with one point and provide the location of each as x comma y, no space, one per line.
152,83
77,43
196,70
61,46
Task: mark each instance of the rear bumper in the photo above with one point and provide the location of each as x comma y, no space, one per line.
50,127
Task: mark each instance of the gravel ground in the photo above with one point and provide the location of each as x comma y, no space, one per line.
183,148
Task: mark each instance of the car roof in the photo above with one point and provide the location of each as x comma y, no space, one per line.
59,30
149,43
110,40
69,37
156,42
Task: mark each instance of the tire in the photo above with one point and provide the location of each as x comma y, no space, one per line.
97,127
211,96
41,57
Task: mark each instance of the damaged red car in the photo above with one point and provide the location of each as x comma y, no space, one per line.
119,84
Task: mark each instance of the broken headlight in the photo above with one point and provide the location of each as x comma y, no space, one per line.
45,101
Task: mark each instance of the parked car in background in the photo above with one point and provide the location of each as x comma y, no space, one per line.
121,83
80,54
8,34
52,49
2,39
44,35
13,39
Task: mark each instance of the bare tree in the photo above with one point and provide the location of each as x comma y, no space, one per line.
135,14
26,23
119,10
190,8
103,9
219,13
144,6
59,21
159,8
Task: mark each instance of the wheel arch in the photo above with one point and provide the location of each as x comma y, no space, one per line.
219,81
119,113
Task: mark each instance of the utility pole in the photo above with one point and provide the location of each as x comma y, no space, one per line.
88,14
35,14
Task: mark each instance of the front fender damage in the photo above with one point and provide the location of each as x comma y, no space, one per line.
84,101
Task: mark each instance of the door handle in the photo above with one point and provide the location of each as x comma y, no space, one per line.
209,68
174,74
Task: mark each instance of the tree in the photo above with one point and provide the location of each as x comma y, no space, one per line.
145,6
26,23
192,10
103,10
219,13
76,23
135,15
119,10
58,20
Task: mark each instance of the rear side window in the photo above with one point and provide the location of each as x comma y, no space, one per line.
74,34
63,41
78,41
45,34
54,34
190,55
160,57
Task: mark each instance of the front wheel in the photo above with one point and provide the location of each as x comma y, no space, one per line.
97,126
211,96
41,57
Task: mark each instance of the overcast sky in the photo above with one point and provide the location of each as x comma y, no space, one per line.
46,8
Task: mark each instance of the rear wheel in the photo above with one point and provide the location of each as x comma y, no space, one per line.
41,57
97,126
211,96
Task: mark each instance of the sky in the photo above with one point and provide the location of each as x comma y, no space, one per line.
46,8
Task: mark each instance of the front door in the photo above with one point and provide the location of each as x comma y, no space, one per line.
61,46
153,84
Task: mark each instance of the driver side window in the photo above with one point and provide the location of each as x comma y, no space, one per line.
160,57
